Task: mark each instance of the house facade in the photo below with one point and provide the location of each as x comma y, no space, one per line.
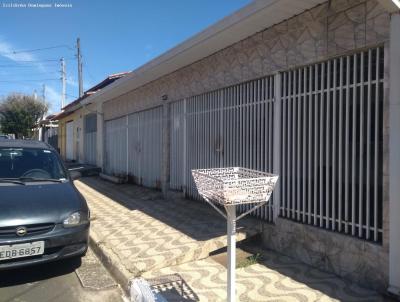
78,123
304,89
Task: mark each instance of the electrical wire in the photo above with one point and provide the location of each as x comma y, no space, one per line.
26,66
72,96
23,81
29,74
36,61
39,49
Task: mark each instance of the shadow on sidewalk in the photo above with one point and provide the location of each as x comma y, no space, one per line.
195,219
286,268
273,274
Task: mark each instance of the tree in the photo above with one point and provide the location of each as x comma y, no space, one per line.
20,113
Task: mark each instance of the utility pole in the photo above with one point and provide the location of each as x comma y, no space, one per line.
63,81
34,94
79,55
44,93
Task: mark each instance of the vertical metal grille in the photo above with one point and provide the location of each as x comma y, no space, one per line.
90,139
116,147
134,147
228,127
145,147
331,121
69,140
329,128
177,145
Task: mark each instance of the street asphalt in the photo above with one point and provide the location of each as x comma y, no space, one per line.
64,281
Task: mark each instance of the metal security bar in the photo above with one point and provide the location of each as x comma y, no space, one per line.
133,147
116,147
177,151
331,123
145,147
227,127
90,138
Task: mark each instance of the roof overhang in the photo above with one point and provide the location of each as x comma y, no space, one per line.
391,6
255,17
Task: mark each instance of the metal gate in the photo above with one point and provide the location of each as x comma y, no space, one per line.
228,127
332,144
90,138
145,147
134,147
116,147
69,141
328,136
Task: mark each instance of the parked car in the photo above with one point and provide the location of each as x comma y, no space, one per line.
43,217
3,136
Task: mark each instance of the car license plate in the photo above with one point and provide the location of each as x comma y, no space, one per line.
21,250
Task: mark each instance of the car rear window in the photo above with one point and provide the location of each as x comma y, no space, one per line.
30,162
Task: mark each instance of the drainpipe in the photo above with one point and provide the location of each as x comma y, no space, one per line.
394,155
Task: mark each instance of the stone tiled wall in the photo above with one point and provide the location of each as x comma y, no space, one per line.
324,31
358,260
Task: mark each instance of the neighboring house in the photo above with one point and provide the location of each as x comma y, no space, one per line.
78,124
47,131
299,88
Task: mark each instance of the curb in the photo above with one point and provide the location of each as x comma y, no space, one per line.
106,257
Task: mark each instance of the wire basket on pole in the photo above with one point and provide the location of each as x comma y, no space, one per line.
231,187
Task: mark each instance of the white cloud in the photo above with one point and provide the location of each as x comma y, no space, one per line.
74,83
53,97
71,81
7,50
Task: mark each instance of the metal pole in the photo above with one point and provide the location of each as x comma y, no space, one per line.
63,81
44,93
231,238
79,56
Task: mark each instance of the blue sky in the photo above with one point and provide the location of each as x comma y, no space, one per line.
116,36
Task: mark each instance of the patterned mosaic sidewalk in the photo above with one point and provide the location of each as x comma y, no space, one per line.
159,238
276,278
146,232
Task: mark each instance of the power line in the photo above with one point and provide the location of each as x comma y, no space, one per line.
72,96
88,72
25,66
27,74
38,49
23,81
36,61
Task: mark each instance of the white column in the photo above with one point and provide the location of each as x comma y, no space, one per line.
394,156
231,238
100,136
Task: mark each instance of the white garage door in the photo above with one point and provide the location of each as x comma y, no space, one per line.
116,147
69,148
90,138
145,147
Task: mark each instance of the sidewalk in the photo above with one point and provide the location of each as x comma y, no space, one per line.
137,233
140,231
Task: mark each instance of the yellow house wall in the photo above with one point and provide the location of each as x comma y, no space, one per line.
62,137
77,117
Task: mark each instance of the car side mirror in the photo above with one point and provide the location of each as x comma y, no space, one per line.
74,174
